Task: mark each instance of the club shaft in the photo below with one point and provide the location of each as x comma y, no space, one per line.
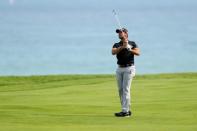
117,19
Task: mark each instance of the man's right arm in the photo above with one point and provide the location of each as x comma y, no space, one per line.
116,50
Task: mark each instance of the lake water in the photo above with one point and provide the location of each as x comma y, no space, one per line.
76,37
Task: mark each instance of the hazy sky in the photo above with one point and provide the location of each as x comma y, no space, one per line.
74,4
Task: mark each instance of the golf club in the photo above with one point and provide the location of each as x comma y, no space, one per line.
120,27
117,19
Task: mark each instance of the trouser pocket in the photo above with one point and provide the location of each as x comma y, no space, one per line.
131,71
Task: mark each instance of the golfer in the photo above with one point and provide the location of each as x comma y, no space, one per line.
125,51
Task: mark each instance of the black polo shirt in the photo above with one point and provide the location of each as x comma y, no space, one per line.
125,56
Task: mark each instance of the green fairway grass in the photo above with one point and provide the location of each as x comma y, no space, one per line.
164,102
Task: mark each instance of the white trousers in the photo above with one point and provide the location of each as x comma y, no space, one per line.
124,76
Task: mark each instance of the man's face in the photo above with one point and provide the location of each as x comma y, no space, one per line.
122,35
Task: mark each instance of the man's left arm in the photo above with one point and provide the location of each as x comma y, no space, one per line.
135,51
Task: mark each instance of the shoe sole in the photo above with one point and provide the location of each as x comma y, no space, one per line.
122,116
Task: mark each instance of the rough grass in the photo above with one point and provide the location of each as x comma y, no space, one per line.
164,102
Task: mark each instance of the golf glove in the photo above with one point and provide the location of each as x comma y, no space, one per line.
129,47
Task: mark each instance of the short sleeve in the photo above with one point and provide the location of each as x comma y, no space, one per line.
115,45
134,45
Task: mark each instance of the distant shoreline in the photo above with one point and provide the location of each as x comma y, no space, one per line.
101,75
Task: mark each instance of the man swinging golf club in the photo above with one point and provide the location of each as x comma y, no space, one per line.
125,51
